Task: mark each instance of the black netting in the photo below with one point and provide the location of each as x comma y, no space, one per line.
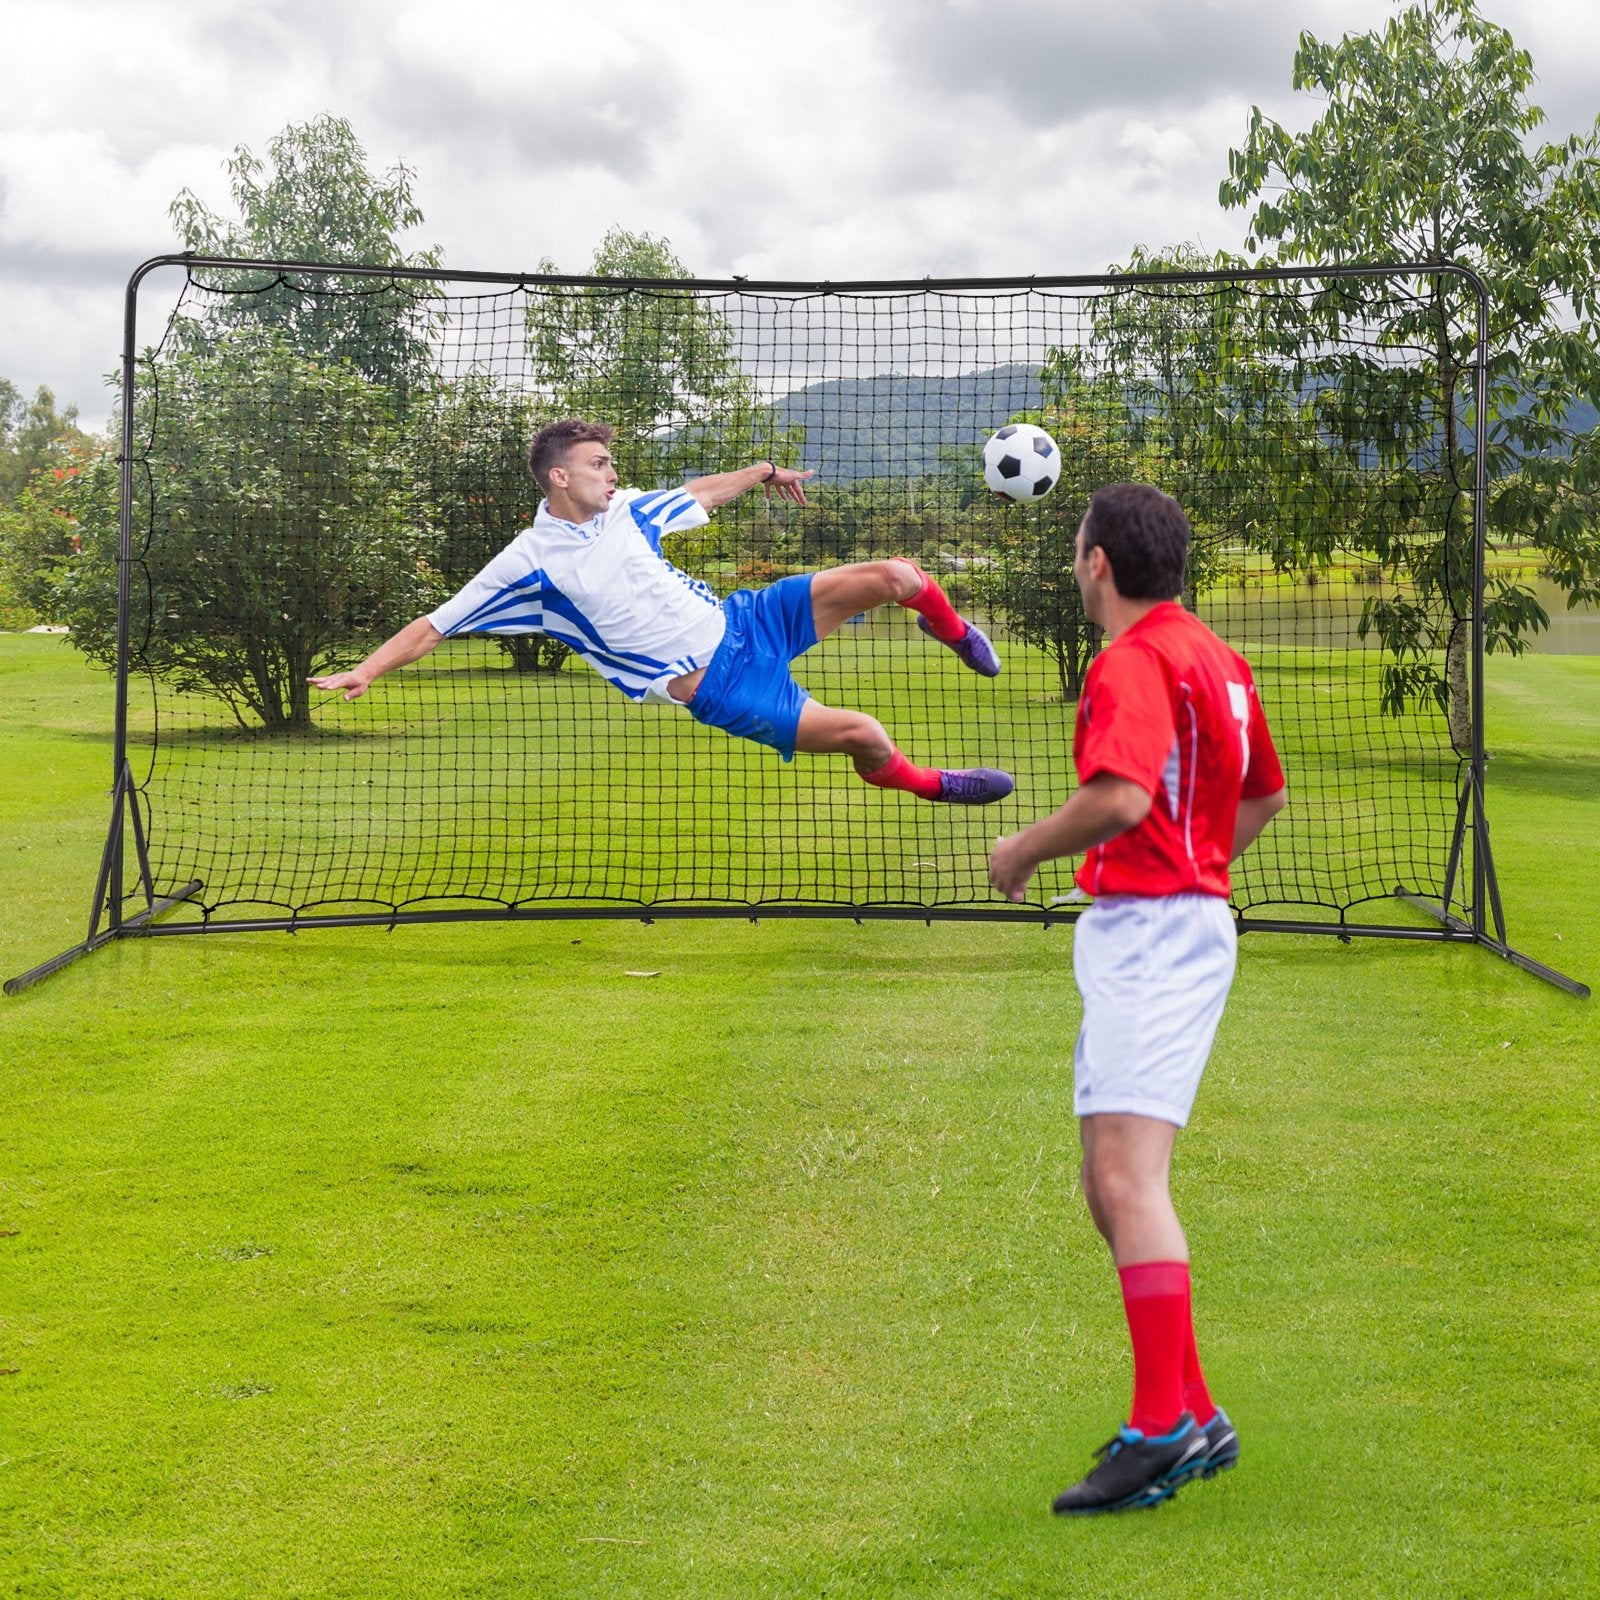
319,459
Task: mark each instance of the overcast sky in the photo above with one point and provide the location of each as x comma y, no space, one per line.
816,139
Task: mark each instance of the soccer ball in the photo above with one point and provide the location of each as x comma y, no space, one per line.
1021,462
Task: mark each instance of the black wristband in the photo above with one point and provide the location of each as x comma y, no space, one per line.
772,472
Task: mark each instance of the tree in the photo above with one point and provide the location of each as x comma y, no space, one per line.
1423,154
314,199
279,514
821,538
255,565
469,440
33,436
38,537
40,449
1176,384
660,365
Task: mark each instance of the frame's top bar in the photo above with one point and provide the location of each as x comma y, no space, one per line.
1381,269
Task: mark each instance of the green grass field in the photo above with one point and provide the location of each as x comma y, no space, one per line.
460,1261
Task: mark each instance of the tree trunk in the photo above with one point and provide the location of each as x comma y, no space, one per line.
1458,685
300,655
1069,656
1458,648
268,699
299,702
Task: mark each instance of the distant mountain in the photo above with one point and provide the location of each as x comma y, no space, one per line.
1580,418
894,425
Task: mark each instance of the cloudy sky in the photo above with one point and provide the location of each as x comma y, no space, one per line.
822,138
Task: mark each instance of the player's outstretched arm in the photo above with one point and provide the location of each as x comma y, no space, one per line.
412,642
718,488
1253,817
1094,812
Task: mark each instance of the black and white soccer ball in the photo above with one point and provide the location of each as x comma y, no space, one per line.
1021,462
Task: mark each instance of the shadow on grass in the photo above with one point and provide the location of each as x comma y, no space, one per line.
224,737
1569,777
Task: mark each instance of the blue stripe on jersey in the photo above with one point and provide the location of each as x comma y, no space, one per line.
514,610
655,514
506,610
557,604
513,603
631,681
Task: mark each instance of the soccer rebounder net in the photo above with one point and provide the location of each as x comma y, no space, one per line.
313,456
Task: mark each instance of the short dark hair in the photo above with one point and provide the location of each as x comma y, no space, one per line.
1145,536
553,441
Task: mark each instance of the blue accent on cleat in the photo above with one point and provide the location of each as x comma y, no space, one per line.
975,786
973,647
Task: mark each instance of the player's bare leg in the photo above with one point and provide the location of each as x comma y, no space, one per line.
1175,1431
824,730
842,592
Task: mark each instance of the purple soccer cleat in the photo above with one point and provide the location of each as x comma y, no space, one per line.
973,647
974,786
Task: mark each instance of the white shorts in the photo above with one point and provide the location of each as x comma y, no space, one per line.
1154,974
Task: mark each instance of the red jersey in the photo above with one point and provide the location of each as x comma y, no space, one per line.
1169,706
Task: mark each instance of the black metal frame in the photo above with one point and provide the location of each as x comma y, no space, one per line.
1471,826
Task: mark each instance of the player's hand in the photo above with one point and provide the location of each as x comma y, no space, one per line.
786,482
1011,866
353,684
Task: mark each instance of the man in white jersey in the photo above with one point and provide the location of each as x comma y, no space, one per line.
590,573
1177,775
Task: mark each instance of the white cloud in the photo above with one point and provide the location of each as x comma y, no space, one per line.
80,343
832,139
48,173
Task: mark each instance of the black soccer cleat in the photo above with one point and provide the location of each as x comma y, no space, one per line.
1135,1472
974,786
973,647
1222,1445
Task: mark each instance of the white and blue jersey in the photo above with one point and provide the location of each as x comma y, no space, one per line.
604,588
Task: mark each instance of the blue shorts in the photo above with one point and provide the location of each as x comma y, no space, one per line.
747,690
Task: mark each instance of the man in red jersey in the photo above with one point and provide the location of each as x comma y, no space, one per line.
1177,776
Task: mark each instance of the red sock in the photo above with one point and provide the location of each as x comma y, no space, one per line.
898,773
1196,1396
947,624
1155,1295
